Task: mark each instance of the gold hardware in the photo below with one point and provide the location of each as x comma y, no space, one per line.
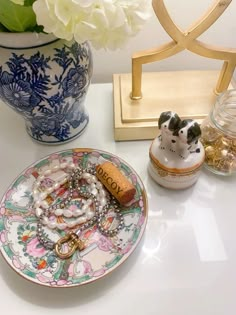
185,40
73,243
140,97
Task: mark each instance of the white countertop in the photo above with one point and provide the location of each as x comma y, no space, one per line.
186,260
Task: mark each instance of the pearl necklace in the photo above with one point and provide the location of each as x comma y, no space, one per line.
53,213
96,204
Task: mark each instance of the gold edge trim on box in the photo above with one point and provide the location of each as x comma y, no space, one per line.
175,171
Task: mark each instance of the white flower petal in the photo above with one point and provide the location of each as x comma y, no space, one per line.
106,23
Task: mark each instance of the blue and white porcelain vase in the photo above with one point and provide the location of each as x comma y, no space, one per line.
46,80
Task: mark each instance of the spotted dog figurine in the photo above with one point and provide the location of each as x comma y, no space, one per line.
176,154
187,133
168,123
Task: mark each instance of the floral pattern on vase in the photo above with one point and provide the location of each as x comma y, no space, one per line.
47,84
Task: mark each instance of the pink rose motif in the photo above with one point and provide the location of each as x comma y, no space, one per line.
42,278
17,263
141,220
116,162
99,272
2,211
87,267
34,248
71,269
78,153
54,156
10,192
104,244
72,208
3,237
63,282
95,154
29,172
47,182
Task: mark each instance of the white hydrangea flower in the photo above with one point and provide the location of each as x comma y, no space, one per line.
105,23
20,2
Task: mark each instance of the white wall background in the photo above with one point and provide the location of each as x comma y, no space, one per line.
184,13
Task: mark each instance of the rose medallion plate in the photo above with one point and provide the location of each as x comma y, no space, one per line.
101,253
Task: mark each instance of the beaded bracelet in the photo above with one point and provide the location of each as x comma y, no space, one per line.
93,195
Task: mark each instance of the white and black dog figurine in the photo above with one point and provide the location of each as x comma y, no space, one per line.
168,123
188,134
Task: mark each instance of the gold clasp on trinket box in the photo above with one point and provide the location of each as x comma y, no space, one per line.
73,243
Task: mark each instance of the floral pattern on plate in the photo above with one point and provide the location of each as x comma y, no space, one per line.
22,250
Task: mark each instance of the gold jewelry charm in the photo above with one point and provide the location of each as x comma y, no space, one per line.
219,135
96,205
72,242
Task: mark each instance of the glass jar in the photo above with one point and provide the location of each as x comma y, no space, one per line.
219,135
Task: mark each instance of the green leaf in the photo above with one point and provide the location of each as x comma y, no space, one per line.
28,2
2,28
16,18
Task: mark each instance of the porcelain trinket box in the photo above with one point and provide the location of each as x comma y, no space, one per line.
176,154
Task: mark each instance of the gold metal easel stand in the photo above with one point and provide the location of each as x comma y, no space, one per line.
189,93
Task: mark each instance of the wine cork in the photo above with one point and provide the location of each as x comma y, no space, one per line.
115,182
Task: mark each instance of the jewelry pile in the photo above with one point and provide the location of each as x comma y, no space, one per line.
220,150
90,203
